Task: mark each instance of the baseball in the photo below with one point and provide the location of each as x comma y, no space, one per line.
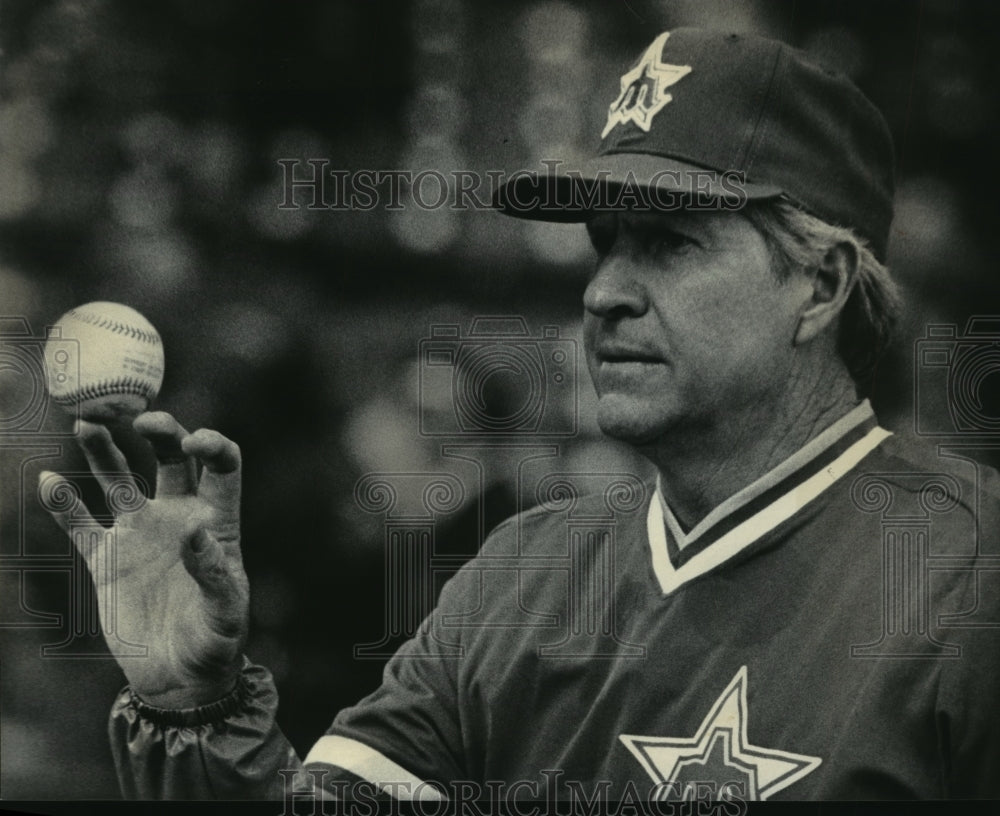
103,360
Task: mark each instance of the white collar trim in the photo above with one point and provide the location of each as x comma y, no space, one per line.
659,517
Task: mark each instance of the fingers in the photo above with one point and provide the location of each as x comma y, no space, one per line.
178,453
220,481
176,473
108,464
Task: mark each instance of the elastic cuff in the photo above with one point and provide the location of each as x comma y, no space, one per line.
208,714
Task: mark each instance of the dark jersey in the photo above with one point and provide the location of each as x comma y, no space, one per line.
832,631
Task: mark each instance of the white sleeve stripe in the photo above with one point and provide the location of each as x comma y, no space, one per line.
367,763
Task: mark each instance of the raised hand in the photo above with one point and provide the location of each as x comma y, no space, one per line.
177,582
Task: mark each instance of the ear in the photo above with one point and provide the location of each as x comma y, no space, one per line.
832,282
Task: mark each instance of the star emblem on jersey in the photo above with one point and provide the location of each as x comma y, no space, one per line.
720,754
644,89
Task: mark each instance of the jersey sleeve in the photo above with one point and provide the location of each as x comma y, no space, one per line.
232,749
405,739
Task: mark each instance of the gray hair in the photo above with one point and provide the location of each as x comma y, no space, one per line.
798,240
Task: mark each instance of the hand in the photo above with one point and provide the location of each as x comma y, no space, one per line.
178,573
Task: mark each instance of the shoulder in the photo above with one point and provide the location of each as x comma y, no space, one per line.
946,500
567,502
533,549
942,476
930,454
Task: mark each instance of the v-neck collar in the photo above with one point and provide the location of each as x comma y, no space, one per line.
746,516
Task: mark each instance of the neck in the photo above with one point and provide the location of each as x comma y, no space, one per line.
700,468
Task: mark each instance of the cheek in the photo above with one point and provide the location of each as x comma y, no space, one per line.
699,323
590,327
730,336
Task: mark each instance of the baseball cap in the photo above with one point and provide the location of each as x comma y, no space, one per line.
720,118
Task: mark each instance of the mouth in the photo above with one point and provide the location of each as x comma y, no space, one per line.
624,356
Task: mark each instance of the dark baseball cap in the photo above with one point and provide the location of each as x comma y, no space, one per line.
718,118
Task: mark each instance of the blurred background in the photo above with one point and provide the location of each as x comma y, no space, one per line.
139,162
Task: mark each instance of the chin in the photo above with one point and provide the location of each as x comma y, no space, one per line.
631,423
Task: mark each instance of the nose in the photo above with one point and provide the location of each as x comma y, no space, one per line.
614,291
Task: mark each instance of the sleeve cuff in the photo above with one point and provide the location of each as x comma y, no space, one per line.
208,714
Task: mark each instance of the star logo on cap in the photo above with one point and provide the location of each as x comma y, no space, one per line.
719,753
644,89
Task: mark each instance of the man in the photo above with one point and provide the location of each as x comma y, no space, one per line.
802,606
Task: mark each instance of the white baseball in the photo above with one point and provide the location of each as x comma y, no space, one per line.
105,361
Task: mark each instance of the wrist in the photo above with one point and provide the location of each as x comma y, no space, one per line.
193,705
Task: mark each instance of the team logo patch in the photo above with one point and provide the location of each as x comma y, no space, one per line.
644,89
719,752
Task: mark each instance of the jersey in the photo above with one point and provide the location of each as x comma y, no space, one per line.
832,631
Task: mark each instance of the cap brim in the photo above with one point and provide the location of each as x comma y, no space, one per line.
624,181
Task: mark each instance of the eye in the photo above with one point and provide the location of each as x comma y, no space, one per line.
662,240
